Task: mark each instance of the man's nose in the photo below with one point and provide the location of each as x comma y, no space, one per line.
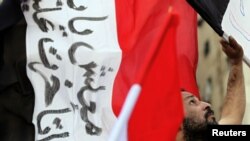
205,105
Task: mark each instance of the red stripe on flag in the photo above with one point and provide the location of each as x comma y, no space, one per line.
142,25
158,112
187,48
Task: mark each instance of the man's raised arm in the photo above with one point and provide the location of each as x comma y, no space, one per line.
235,100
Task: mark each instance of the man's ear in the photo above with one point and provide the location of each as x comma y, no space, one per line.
180,135
181,127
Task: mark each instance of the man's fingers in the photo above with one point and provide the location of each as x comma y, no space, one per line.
224,43
232,49
233,42
228,50
226,47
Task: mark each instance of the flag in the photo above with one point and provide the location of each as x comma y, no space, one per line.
148,26
10,13
227,17
187,47
82,58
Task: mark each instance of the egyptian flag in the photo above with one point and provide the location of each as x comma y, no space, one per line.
84,56
227,17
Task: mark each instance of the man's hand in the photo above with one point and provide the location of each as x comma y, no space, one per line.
233,50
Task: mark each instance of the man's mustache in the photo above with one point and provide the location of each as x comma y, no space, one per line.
209,112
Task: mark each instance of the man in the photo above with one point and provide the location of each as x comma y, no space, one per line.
198,114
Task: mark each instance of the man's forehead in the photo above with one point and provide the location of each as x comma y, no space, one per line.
186,94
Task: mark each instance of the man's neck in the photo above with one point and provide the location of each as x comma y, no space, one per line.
180,136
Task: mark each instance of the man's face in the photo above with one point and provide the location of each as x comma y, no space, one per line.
197,115
197,110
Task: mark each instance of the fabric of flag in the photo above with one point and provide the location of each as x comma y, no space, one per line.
10,13
212,11
187,47
73,56
227,17
149,24
82,58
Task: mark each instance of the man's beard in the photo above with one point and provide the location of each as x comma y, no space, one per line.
197,130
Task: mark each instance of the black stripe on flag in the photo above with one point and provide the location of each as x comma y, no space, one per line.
212,11
10,13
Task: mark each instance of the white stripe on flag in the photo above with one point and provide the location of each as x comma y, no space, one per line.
73,57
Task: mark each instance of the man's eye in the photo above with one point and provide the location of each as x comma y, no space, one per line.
192,102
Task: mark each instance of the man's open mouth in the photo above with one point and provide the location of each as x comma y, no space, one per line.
209,114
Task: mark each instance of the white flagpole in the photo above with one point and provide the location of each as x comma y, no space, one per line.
225,37
117,133
245,59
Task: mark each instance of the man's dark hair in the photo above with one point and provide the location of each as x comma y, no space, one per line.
197,131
